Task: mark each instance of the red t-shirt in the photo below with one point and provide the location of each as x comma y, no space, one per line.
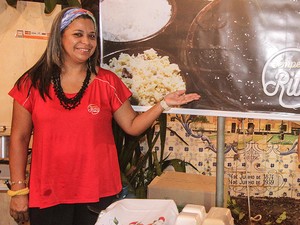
74,158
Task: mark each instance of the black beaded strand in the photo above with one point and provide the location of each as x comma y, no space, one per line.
70,103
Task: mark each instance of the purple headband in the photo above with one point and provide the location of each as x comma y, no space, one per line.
72,14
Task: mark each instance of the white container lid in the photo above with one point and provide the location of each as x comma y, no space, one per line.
218,216
198,209
187,218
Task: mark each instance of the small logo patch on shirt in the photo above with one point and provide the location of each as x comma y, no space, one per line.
93,109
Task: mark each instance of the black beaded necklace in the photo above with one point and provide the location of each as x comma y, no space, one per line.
70,103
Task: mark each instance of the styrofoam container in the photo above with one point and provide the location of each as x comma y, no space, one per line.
188,218
218,216
139,211
198,209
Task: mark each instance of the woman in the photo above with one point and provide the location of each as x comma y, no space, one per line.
69,103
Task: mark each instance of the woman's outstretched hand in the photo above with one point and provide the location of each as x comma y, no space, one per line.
179,97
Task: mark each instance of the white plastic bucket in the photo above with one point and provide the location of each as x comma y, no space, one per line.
139,212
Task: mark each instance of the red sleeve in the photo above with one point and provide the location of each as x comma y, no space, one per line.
120,91
22,94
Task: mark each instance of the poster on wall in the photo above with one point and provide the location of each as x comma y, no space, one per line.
242,57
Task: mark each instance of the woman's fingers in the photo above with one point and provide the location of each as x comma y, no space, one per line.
20,217
179,98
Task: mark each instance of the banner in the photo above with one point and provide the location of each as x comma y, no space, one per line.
242,57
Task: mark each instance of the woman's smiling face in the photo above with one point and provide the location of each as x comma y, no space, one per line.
79,40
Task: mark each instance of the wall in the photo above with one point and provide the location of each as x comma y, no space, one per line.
20,49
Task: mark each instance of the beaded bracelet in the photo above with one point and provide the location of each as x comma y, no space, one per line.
24,191
12,183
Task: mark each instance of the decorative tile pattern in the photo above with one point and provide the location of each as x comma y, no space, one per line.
260,159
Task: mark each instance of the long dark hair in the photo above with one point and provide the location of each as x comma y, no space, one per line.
50,62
